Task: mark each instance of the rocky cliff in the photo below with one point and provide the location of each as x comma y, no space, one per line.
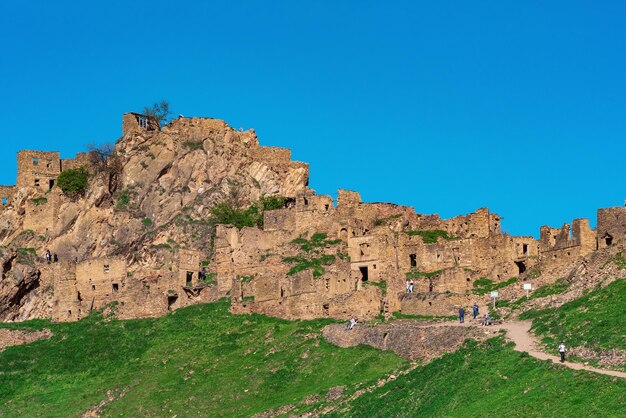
151,198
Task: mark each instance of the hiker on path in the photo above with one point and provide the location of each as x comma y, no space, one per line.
351,323
562,352
486,320
461,315
55,258
411,286
407,286
475,311
48,256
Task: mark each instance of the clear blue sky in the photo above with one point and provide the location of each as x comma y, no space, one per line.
444,106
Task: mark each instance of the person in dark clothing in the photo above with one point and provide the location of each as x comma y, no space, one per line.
461,315
55,258
475,311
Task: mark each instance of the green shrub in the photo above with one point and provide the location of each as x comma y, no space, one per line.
416,274
74,181
39,201
146,221
385,220
312,254
272,202
485,285
225,213
430,236
533,273
382,285
123,200
550,289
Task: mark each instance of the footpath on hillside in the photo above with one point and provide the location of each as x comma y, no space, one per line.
519,332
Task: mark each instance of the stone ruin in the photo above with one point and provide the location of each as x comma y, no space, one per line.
384,247
313,258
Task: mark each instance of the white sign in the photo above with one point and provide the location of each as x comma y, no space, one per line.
528,286
494,294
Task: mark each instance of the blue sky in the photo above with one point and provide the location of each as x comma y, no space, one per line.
443,106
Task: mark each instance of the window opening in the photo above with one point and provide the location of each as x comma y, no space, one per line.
525,249
116,287
35,161
105,268
189,279
36,182
413,258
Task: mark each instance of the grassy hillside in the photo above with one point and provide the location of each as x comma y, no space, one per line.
595,320
198,361
492,380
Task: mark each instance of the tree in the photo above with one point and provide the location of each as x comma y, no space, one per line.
74,181
99,155
158,112
103,159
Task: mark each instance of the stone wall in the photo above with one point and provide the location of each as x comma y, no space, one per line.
6,196
38,169
611,226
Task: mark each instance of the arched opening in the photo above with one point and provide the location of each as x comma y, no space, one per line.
608,239
521,266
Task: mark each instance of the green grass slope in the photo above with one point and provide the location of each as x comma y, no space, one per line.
595,320
198,361
491,379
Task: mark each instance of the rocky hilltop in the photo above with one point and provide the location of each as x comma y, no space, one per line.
124,239
145,237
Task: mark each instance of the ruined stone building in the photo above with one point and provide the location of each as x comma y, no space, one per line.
140,239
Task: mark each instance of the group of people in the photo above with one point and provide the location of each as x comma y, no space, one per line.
409,286
487,320
51,257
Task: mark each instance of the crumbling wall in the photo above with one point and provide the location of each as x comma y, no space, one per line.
81,159
38,169
136,122
273,156
101,281
189,267
6,196
611,226
42,212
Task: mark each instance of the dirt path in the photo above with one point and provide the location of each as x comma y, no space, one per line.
519,333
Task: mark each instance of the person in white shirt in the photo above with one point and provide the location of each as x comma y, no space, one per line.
562,352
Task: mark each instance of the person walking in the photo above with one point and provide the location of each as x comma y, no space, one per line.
48,256
461,315
411,286
475,310
562,351
407,286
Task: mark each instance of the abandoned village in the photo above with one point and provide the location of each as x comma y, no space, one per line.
139,238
